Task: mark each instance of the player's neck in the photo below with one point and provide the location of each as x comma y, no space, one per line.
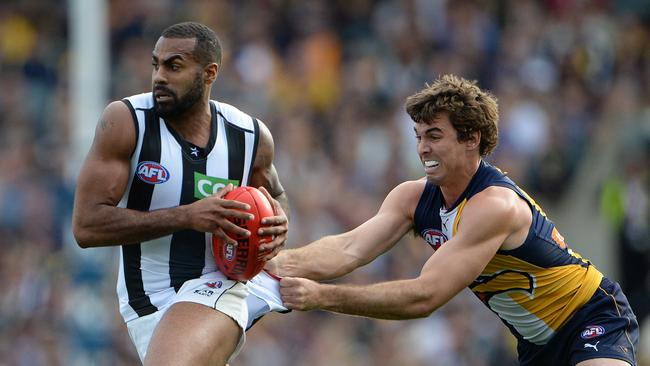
194,125
454,188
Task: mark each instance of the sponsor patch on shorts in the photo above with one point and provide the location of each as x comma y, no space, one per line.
214,284
204,292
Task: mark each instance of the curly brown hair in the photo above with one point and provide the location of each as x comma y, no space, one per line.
470,109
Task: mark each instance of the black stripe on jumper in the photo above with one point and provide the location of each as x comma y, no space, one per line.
236,151
140,199
187,250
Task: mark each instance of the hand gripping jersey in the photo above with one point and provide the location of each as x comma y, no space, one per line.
536,288
167,171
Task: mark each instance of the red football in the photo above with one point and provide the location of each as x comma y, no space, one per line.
241,262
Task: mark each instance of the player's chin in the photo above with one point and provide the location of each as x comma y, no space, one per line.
165,109
434,178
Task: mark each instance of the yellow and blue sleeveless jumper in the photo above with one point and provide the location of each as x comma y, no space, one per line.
536,288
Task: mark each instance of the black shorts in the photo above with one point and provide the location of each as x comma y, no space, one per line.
605,327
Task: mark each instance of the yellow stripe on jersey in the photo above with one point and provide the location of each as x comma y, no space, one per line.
536,301
457,218
532,202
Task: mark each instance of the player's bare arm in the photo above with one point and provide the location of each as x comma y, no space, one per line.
489,219
266,178
103,180
336,255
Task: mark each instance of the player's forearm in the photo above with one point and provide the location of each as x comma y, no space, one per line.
107,225
284,202
324,259
396,300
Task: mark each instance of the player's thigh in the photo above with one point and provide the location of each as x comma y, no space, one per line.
603,362
193,334
140,331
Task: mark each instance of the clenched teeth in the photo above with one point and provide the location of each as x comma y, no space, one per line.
431,163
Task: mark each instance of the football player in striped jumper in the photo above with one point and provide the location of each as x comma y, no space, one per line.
153,186
487,234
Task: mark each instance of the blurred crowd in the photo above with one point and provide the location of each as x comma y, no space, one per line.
329,78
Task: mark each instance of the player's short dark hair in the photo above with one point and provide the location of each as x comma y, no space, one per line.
470,109
208,46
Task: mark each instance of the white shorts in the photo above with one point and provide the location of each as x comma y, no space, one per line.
243,302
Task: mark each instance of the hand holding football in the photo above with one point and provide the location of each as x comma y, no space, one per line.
243,261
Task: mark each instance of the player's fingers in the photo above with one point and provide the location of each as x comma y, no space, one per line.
268,197
290,301
292,289
287,282
223,191
265,192
224,238
293,301
289,294
287,302
234,205
272,230
237,214
277,242
274,202
233,229
286,293
267,256
274,220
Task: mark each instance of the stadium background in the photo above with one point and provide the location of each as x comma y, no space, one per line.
329,79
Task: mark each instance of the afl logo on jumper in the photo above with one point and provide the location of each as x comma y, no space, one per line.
152,172
592,331
435,238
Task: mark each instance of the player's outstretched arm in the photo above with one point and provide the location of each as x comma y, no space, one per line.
486,222
103,179
334,256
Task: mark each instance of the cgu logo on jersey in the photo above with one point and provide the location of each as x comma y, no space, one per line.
152,172
435,238
592,331
206,186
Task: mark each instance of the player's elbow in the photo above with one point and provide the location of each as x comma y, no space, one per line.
423,301
422,309
81,237
348,264
82,234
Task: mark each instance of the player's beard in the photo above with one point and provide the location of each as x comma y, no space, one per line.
179,106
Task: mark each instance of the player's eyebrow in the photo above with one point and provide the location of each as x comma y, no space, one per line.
169,59
428,130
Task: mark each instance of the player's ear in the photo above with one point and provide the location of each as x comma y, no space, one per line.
211,71
474,140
